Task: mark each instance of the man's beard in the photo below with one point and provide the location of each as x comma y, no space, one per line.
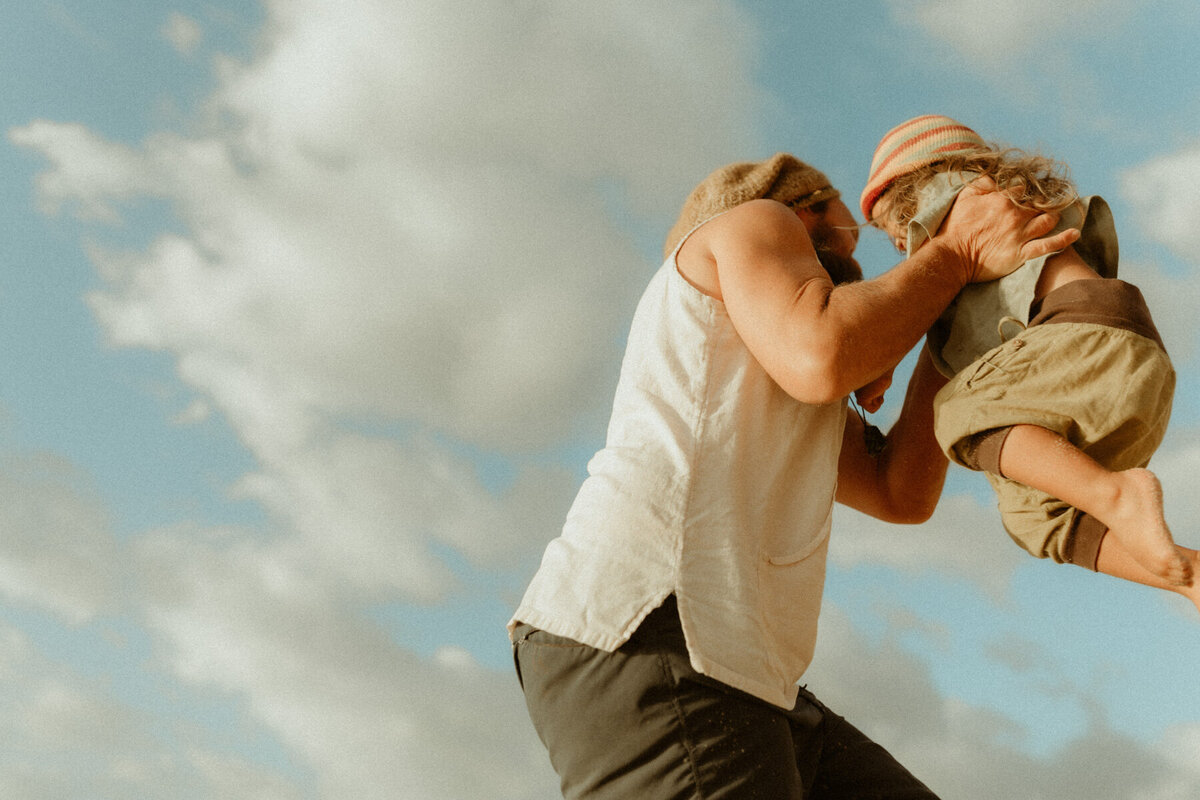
841,269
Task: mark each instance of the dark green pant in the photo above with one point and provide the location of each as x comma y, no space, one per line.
642,724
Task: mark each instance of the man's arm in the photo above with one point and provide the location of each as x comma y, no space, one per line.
819,342
901,483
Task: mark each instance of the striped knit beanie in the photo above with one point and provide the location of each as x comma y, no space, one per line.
781,177
920,141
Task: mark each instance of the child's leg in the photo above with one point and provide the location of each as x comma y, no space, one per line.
1128,502
1115,560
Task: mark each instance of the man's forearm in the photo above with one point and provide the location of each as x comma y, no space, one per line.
902,482
912,464
867,327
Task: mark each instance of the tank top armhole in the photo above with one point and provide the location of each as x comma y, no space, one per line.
672,261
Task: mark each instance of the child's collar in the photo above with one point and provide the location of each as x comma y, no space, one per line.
933,204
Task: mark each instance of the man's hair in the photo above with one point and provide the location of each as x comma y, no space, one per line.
1033,181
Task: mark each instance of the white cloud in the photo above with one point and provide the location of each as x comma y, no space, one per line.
56,549
368,718
69,735
1165,195
371,510
398,212
88,175
1169,299
196,412
987,33
1182,749
963,539
276,626
1177,463
183,33
961,750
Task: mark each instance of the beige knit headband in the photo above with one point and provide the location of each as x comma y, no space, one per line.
781,177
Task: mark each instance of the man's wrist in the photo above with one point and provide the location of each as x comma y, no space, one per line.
946,262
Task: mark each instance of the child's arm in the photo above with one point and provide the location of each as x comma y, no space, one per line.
902,482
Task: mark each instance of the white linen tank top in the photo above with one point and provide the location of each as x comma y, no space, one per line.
714,484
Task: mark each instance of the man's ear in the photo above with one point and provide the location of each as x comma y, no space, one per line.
809,217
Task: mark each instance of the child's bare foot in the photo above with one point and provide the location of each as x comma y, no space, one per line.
1139,523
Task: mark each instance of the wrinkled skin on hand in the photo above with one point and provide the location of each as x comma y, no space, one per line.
994,236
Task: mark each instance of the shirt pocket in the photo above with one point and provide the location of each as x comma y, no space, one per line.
800,546
1002,365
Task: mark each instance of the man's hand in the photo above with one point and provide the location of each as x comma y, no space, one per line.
994,236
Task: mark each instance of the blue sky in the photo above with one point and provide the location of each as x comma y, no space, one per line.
312,313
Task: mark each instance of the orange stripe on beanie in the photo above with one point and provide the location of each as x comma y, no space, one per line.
913,144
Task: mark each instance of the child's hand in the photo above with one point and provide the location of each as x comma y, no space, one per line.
870,397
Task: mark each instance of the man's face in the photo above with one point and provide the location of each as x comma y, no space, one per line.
834,235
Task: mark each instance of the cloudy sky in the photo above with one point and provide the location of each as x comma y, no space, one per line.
312,312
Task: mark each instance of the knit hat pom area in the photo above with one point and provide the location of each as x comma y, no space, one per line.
911,145
781,177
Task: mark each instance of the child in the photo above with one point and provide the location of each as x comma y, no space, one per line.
1060,388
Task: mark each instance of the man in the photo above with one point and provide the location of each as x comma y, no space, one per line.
661,641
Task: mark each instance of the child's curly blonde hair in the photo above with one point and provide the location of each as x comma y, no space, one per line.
1033,181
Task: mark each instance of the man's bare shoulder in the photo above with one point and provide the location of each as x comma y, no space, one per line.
731,238
755,223
755,213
